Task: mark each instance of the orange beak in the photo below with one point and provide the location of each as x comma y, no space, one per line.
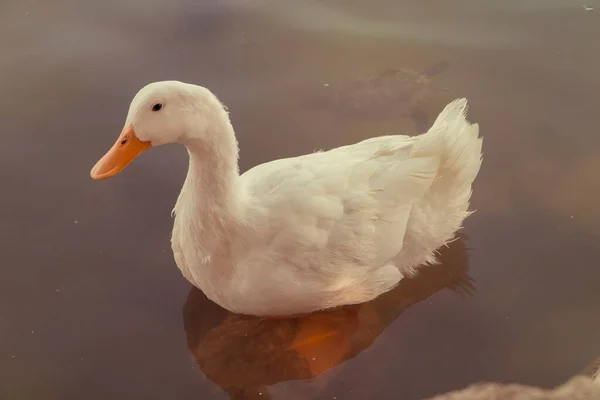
125,150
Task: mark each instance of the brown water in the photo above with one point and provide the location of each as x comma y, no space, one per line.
91,303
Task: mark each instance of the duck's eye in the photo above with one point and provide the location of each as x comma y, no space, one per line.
157,107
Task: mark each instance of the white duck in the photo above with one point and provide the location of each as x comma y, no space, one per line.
307,233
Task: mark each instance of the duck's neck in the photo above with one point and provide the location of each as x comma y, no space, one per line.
209,208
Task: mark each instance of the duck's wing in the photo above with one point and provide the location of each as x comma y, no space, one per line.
352,201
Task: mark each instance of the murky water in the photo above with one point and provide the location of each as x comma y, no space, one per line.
91,304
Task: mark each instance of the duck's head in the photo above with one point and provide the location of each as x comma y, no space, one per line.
161,113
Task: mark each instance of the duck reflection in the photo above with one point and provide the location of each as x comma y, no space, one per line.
244,354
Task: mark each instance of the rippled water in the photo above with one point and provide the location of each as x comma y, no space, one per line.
91,304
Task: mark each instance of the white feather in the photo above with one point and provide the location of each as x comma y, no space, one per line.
344,226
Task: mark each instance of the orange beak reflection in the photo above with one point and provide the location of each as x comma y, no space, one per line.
125,150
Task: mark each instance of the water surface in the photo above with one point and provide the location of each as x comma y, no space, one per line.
92,305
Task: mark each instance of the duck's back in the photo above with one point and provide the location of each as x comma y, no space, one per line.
334,221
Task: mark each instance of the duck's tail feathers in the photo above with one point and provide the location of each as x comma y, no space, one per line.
457,143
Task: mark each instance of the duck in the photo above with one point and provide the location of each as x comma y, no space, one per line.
307,233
